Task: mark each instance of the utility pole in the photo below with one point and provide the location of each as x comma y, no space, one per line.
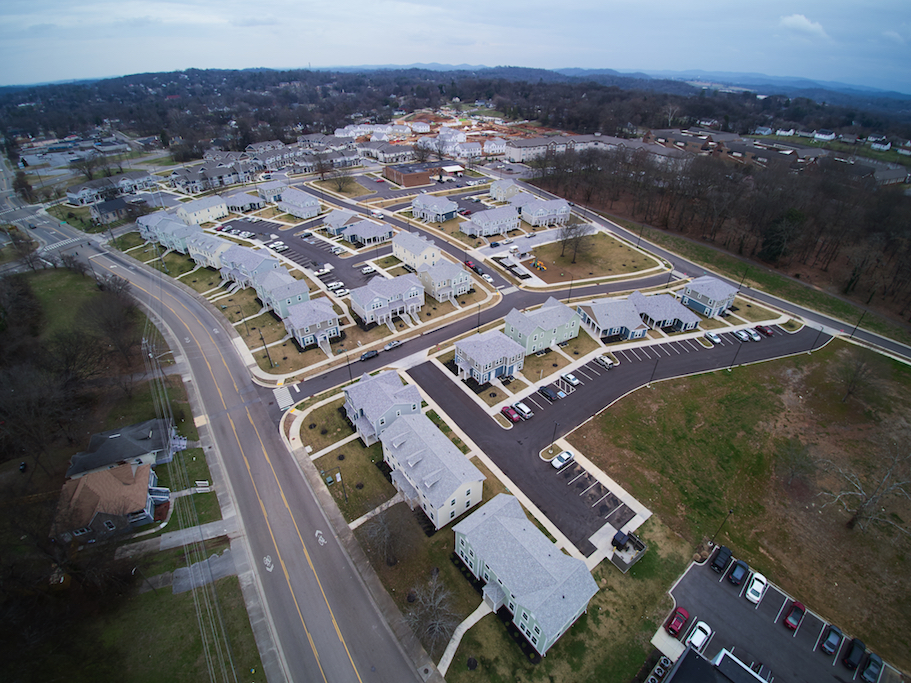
266,349
553,438
241,314
851,336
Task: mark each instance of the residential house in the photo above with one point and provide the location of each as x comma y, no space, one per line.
544,589
432,209
419,126
824,135
313,323
298,203
206,249
374,403
429,470
152,442
444,280
382,299
708,295
110,210
271,191
242,202
366,232
106,503
488,355
279,290
386,153
541,328
503,190
243,264
539,212
203,210
174,235
108,188
338,219
415,250
469,150
494,146
613,319
496,221
663,310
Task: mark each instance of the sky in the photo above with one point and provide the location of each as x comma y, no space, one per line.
837,40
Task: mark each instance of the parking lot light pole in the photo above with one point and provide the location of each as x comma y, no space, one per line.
554,438
654,370
858,324
730,512
734,359
479,317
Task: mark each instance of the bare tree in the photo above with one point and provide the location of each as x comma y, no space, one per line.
670,110
433,618
74,356
384,536
72,262
26,250
87,165
857,371
794,458
580,237
565,236
341,179
866,497
421,153
113,318
322,165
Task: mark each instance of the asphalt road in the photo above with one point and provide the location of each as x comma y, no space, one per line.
324,619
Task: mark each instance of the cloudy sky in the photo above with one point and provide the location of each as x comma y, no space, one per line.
861,43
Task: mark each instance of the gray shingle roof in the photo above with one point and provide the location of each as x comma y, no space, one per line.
610,314
385,288
245,257
551,315
551,584
298,197
412,242
496,215
338,217
367,230
308,313
437,204
428,459
712,287
116,445
442,270
489,347
662,307
375,395
202,203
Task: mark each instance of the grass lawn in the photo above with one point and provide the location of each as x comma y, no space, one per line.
353,189
328,426
601,256
200,508
61,294
580,346
364,484
177,264
128,241
690,449
712,324
608,644
187,466
517,386
471,298
267,324
753,312
203,280
243,299
536,368
398,270
772,283
286,357
355,334
493,395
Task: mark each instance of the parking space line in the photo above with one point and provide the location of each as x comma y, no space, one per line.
601,498
783,604
693,345
819,637
590,367
594,483
533,402
673,346
623,353
581,474
579,370
635,355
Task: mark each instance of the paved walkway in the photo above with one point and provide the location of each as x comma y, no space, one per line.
482,611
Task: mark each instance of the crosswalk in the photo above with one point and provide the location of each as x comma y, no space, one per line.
60,245
283,397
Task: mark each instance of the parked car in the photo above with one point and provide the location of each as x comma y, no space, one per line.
478,270
494,244
854,654
873,668
368,269
713,337
741,335
570,379
530,235
321,271
487,278
508,240
335,285
548,393
469,264
391,345
510,413
753,335
739,572
795,615
367,355
562,459
722,559
605,361
832,640
699,636
523,410
342,292
766,330
677,622
379,180
757,588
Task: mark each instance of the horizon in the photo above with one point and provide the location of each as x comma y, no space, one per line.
50,41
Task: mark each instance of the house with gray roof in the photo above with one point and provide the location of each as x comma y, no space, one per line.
366,232
613,318
272,191
469,150
382,299
242,202
372,404
152,442
206,249
444,280
663,310
298,203
415,250
313,322
545,211
278,290
432,209
339,219
243,264
544,589
203,210
110,210
429,470
708,295
541,328
503,190
496,221
172,234
494,146
488,355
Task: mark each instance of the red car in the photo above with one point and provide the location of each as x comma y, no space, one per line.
510,413
795,615
470,264
766,330
677,622
379,180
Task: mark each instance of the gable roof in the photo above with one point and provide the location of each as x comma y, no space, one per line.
339,217
375,395
412,242
120,445
117,491
489,347
499,213
298,197
712,287
437,204
609,314
428,458
442,270
366,229
385,288
551,315
552,585
202,203
662,307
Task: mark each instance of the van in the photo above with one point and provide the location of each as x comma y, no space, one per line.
514,250
375,213
523,410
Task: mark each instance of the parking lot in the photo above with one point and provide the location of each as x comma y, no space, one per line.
756,633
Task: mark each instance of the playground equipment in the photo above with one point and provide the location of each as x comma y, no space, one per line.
539,265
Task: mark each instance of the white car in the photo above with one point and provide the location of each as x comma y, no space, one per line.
342,292
487,278
508,240
391,345
753,334
570,379
741,335
605,361
335,285
322,271
757,588
713,337
368,269
561,459
699,636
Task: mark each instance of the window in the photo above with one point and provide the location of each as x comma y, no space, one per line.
109,525
467,504
80,532
471,552
462,542
537,630
452,502
524,616
452,514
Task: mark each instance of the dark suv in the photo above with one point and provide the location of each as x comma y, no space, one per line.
722,559
739,573
367,355
548,393
854,654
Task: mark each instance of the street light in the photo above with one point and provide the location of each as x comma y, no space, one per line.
266,348
730,512
241,314
553,438
858,324
654,370
348,362
479,317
